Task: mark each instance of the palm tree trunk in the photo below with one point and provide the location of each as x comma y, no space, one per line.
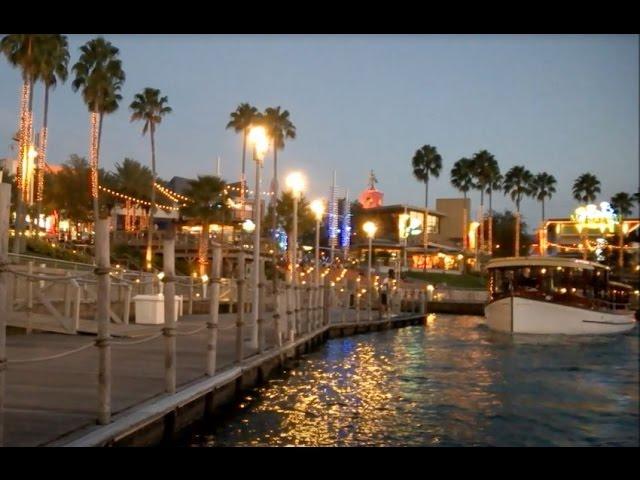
481,226
23,145
244,172
203,249
465,238
152,210
426,222
620,246
517,239
490,239
42,155
94,151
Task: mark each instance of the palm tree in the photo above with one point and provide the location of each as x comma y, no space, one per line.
517,184
622,203
209,205
22,51
132,178
52,67
543,186
495,183
150,107
485,168
426,162
100,76
279,128
586,187
241,120
462,179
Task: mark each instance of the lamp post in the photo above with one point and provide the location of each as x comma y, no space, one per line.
295,183
317,207
258,138
370,229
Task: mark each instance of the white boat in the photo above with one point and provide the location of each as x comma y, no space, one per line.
552,295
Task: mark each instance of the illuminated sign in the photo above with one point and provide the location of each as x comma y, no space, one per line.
410,224
592,217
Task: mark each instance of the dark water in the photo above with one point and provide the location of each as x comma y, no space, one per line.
452,382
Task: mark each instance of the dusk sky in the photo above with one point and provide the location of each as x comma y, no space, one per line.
561,104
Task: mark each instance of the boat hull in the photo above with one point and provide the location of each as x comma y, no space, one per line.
523,315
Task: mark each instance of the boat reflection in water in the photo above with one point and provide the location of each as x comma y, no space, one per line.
450,382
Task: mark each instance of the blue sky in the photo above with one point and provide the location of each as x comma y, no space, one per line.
556,103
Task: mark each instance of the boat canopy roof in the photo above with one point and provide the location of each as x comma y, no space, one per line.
544,262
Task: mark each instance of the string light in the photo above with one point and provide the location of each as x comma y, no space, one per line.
93,153
23,141
171,194
42,155
136,200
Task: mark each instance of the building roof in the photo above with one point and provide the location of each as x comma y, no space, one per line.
399,207
544,261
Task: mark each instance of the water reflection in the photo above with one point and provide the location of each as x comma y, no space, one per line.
448,382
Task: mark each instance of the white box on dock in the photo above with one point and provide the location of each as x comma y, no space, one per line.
150,308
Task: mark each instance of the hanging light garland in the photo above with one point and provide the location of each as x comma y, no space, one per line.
136,200
171,194
23,140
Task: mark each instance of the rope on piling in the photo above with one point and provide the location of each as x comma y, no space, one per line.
136,342
192,332
51,357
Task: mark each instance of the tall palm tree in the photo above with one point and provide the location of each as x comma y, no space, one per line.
517,184
495,183
209,205
52,68
241,120
426,162
485,168
543,186
622,203
149,107
22,51
279,128
462,179
586,187
99,74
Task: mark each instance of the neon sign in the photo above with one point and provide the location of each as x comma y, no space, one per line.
592,217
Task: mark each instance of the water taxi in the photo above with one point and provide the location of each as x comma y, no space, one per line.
554,295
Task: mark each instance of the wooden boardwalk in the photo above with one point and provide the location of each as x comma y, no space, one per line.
50,399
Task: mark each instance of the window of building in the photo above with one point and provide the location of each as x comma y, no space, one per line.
433,224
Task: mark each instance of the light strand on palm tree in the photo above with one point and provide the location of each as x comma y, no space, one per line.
23,134
42,154
93,153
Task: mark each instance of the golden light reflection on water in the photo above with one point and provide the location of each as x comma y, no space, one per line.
447,382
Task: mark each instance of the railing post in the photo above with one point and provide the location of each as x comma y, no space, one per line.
240,308
308,307
29,295
326,301
291,330
191,295
214,309
358,294
261,306
276,311
169,330
103,268
5,200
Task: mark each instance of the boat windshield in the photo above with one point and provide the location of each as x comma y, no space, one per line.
568,285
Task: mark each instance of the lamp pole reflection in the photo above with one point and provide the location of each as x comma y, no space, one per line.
317,207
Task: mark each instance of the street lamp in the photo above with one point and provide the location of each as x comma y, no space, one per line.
317,207
295,183
370,229
260,141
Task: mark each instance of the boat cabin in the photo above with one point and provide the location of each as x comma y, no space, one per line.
568,281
